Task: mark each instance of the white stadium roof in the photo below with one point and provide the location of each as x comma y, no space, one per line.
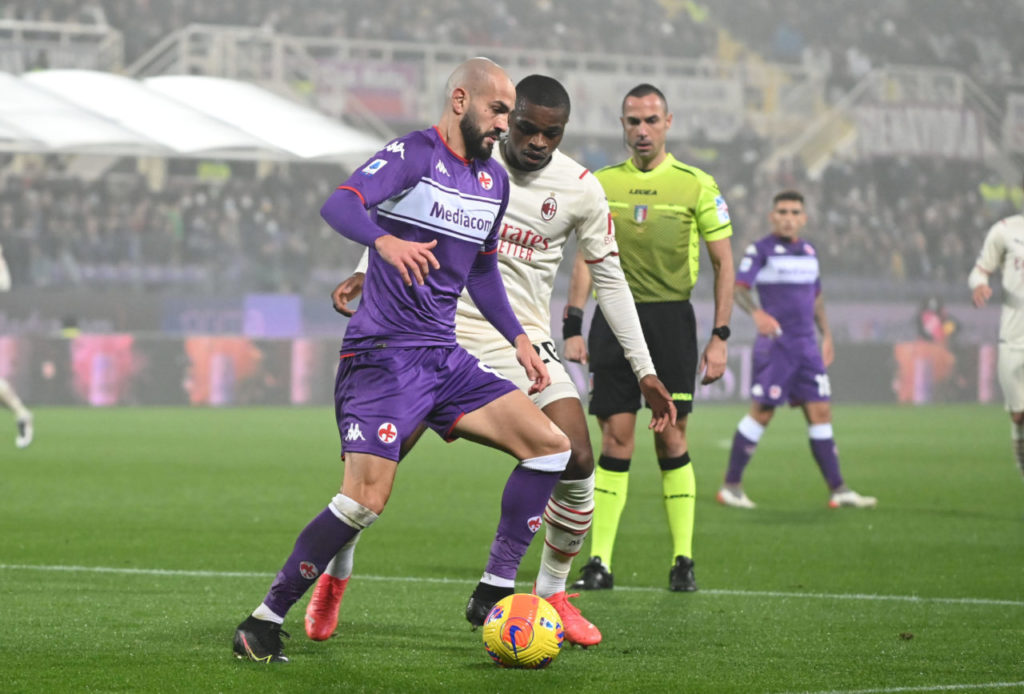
88,112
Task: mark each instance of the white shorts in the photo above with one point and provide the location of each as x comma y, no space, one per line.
501,356
1011,376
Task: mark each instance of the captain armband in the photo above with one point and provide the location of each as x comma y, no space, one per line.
572,323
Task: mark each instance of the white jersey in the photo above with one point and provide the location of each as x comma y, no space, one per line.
544,208
1003,251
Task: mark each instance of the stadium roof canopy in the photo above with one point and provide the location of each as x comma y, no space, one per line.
88,112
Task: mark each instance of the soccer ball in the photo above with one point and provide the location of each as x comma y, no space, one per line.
523,631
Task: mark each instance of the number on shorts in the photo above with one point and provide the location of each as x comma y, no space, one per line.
824,387
549,348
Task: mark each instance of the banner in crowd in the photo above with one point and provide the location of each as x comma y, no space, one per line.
124,369
950,132
713,107
388,90
1013,123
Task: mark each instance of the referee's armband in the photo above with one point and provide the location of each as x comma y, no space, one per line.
572,322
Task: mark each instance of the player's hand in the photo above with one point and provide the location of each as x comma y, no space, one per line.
981,294
828,351
766,323
412,259
536,370
575,349
663,410
713,360
347,291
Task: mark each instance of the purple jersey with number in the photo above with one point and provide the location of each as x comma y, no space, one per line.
786,276
420,190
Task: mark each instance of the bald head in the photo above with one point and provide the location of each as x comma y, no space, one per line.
479,98
475,74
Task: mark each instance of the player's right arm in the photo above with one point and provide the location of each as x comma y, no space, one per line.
743,292
575,347
990,258
386,174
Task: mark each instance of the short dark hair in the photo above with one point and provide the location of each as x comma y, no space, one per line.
541,90
791,195
642,90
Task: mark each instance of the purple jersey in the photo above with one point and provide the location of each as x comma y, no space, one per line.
787,279
419,190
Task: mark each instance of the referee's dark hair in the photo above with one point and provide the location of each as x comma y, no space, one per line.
642,90
541,90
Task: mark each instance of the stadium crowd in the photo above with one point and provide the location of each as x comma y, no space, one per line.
897,219
842,39
892,219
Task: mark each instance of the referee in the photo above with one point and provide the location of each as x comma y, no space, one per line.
661,209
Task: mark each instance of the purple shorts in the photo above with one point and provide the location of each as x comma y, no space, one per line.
788,370
382,395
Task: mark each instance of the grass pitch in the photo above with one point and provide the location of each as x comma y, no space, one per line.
133,541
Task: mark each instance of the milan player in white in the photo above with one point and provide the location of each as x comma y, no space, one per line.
551,197
1003,251
22,416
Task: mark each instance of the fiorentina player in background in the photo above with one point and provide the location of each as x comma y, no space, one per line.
1003,251
429,206
551,198
788,364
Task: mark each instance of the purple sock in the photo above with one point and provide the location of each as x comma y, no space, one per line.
522,508
827,457
739,456
316,545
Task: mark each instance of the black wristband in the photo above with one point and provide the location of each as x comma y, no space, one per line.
572,324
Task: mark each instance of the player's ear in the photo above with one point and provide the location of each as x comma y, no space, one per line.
459,100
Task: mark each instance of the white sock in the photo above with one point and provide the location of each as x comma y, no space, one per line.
266,614
11,399
568,517
341,565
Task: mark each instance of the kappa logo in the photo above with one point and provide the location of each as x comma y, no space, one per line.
308,570
353,433
548,209
396,147
441,169
534,524
486,182
387,432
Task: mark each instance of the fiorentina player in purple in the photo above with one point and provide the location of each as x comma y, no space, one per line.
788,364
429,207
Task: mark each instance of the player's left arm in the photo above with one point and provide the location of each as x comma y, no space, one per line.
5,273
574,346
989,259
713,360
828,351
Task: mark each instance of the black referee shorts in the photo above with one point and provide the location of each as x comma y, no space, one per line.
670,329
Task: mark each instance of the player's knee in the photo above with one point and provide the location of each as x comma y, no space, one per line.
351,512
581,462
667,464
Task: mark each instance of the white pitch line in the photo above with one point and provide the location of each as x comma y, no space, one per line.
641,589
928,688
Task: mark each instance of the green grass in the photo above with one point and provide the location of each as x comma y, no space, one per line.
194,510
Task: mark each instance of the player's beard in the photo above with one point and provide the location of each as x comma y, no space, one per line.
473,137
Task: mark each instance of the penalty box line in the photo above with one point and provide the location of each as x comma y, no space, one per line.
867,597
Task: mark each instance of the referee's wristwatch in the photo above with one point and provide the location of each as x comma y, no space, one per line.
722,332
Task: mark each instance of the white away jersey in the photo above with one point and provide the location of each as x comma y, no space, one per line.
1003,251
544,208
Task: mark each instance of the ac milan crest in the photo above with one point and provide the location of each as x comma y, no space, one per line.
548,209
